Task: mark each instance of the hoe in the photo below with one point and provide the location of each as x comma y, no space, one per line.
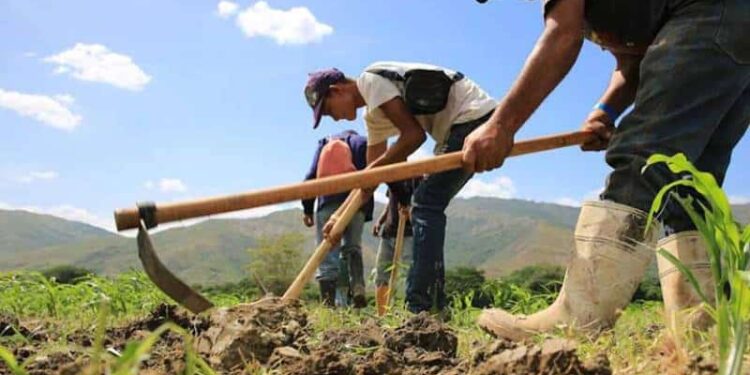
148,215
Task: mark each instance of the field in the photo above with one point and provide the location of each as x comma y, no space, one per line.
117,326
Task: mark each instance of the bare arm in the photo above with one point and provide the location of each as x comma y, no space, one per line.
411,134
379,223
619,95
552,57
550,60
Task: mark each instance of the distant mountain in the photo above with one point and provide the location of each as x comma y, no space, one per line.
22,230
496,235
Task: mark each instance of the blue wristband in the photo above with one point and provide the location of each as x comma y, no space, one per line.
611,113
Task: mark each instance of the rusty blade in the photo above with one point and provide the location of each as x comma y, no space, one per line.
165,279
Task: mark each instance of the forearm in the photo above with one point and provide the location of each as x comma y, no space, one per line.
623,84
406,145
552,57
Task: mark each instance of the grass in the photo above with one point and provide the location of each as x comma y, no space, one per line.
635,345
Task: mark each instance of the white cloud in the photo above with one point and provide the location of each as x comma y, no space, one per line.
65,98
501,187
67,212
293,26
38,176
167,185
52,111
226,8
29,54
172,185
96,63
739,199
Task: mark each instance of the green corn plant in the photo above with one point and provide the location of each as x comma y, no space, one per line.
728,248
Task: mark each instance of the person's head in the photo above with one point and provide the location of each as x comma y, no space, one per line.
329,92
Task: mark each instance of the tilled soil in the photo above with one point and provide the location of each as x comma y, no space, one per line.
276,335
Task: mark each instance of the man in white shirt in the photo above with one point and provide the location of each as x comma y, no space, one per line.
410,100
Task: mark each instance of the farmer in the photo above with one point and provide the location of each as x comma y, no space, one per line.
340,153
409,100
685,66
386,227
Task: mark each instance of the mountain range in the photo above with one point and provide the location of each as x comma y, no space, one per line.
495,235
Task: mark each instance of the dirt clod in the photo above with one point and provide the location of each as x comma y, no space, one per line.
423,331
194,324
369,335
250,332
700,366
552,357
422,345
284,356
8,325
382,361
273,334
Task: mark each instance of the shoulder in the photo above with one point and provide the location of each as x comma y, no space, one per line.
376,90
368,80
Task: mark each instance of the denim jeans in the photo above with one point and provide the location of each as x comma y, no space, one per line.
693,98
385,258
425,285
350,248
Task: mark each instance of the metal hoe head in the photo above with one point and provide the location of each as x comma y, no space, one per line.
165,279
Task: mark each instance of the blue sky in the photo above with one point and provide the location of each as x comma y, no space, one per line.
103,104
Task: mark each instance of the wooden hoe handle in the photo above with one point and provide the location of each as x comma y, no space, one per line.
129,218
397,251
350,207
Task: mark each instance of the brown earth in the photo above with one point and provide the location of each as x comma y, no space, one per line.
276,335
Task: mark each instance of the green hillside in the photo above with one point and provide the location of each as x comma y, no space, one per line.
496,235
22,230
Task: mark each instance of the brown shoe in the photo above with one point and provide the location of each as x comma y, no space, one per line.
381,299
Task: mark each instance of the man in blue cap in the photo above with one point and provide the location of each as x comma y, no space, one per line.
410,100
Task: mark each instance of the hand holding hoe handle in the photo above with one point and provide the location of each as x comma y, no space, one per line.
129,218
351,206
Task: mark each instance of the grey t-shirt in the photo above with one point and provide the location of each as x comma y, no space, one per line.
621,24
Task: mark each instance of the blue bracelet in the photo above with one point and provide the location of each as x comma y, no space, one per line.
611,113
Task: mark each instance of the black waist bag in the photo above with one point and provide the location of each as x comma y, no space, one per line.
425,91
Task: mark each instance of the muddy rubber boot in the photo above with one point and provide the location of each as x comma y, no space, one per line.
611,255
681,301
327,292
381,299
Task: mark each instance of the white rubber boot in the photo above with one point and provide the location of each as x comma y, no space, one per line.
611,255
681,301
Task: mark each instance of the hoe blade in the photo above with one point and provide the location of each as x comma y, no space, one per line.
165,279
